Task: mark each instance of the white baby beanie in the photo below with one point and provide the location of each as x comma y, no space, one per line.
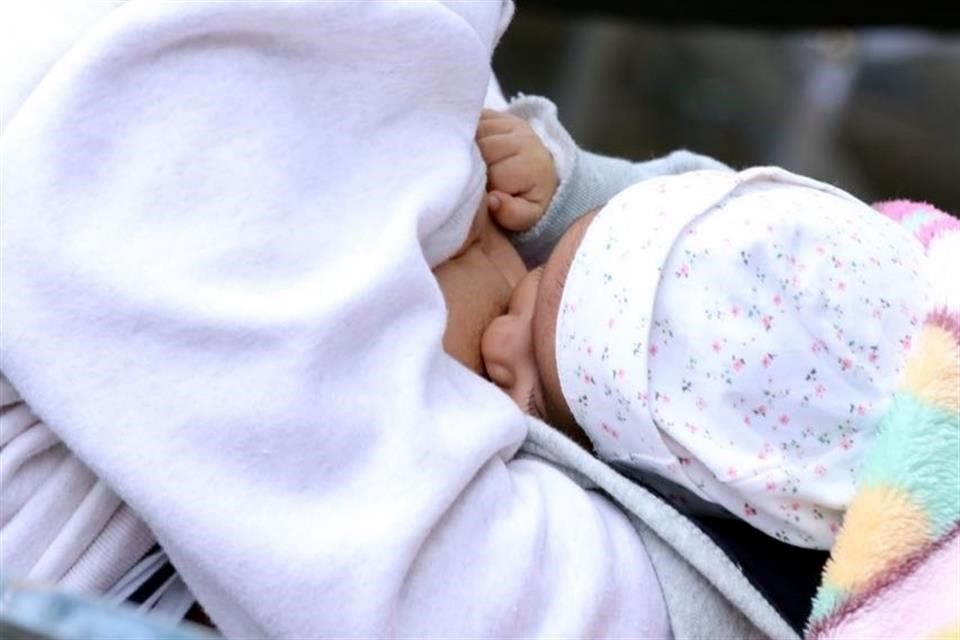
740,335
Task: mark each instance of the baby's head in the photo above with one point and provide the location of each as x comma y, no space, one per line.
522,350
745,277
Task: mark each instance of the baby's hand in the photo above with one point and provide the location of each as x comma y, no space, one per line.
521,177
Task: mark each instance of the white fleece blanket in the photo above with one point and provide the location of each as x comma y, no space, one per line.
218,226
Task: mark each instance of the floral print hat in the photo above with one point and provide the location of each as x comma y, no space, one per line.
739,334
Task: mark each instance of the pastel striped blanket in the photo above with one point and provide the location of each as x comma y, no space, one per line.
894,571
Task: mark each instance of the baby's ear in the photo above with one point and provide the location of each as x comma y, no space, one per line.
513,213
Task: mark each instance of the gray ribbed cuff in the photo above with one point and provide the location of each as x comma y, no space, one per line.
593,180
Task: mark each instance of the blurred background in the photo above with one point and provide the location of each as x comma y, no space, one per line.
874,109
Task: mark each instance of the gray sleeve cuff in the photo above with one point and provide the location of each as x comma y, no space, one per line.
592,181
586,180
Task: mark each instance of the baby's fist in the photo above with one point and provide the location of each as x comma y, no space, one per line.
521,177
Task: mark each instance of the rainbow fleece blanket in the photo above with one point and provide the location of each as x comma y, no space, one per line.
894,571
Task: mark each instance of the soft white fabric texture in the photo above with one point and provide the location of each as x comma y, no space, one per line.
942,256
218,225
740,335
33,36
59,523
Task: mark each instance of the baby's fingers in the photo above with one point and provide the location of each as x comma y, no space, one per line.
499,147
497,122
513,213
512,175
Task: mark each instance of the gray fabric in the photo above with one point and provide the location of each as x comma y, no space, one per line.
707,596
593,181
696,609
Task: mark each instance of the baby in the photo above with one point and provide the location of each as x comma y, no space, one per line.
733,336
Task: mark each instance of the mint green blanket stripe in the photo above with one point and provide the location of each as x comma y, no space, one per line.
828,599
918,452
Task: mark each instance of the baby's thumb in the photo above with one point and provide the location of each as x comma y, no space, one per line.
513,213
